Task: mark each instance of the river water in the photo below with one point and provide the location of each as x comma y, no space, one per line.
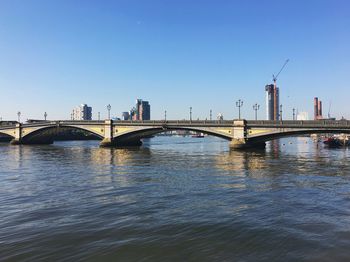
175,199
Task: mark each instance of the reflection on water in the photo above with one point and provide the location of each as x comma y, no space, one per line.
174,199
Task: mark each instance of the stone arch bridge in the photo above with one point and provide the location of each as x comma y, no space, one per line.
240,133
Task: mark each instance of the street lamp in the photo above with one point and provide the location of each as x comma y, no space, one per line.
190,113
165,115
45,115
109,107
239,104
19,116
293,113
211,115
99,116
281,112
256,108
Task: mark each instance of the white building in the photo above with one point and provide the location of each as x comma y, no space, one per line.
82,112
303,116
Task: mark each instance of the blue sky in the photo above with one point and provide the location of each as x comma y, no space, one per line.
206,54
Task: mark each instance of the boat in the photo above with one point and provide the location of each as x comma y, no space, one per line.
337,141
198,135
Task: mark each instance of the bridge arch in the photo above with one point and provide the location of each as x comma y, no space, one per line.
46,134
133,137
9,133
259,138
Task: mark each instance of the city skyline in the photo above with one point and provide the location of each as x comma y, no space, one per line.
175,55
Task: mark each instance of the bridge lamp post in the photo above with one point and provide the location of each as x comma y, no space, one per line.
45,115
109,107
239,104
190,113
19,116
293,113
281,112
99,116
211,115
256,107
165,115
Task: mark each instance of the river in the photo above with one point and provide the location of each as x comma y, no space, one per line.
175,199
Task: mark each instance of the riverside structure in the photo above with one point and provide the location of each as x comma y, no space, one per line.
241,133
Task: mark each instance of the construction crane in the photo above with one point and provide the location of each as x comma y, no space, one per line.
275,94
275,77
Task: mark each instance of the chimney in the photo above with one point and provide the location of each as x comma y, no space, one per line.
316,108
319,109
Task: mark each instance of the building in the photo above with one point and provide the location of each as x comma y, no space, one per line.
303,116
142,110
220,117
125,116
272,102
7,123
317,109
82,112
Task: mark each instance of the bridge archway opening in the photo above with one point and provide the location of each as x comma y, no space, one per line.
135,137
300,133
47,135
5,137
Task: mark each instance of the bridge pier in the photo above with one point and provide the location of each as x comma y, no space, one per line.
106,142
110,141
240,140
241,144
15,142
108,134
18,135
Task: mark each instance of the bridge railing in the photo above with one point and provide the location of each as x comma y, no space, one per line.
175,122
250,123
298,123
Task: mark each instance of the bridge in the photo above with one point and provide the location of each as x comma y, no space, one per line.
241,133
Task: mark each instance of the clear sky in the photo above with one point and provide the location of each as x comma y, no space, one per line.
206,54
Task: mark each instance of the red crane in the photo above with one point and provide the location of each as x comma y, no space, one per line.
275,77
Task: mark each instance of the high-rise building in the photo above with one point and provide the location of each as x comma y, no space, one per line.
82,112
142,110
272,102
317,109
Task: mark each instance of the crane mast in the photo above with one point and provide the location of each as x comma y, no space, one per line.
276,92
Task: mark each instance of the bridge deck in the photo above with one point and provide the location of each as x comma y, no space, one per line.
198,123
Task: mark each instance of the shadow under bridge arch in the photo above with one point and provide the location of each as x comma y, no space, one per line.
293,133
6,136
51,133
133,137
